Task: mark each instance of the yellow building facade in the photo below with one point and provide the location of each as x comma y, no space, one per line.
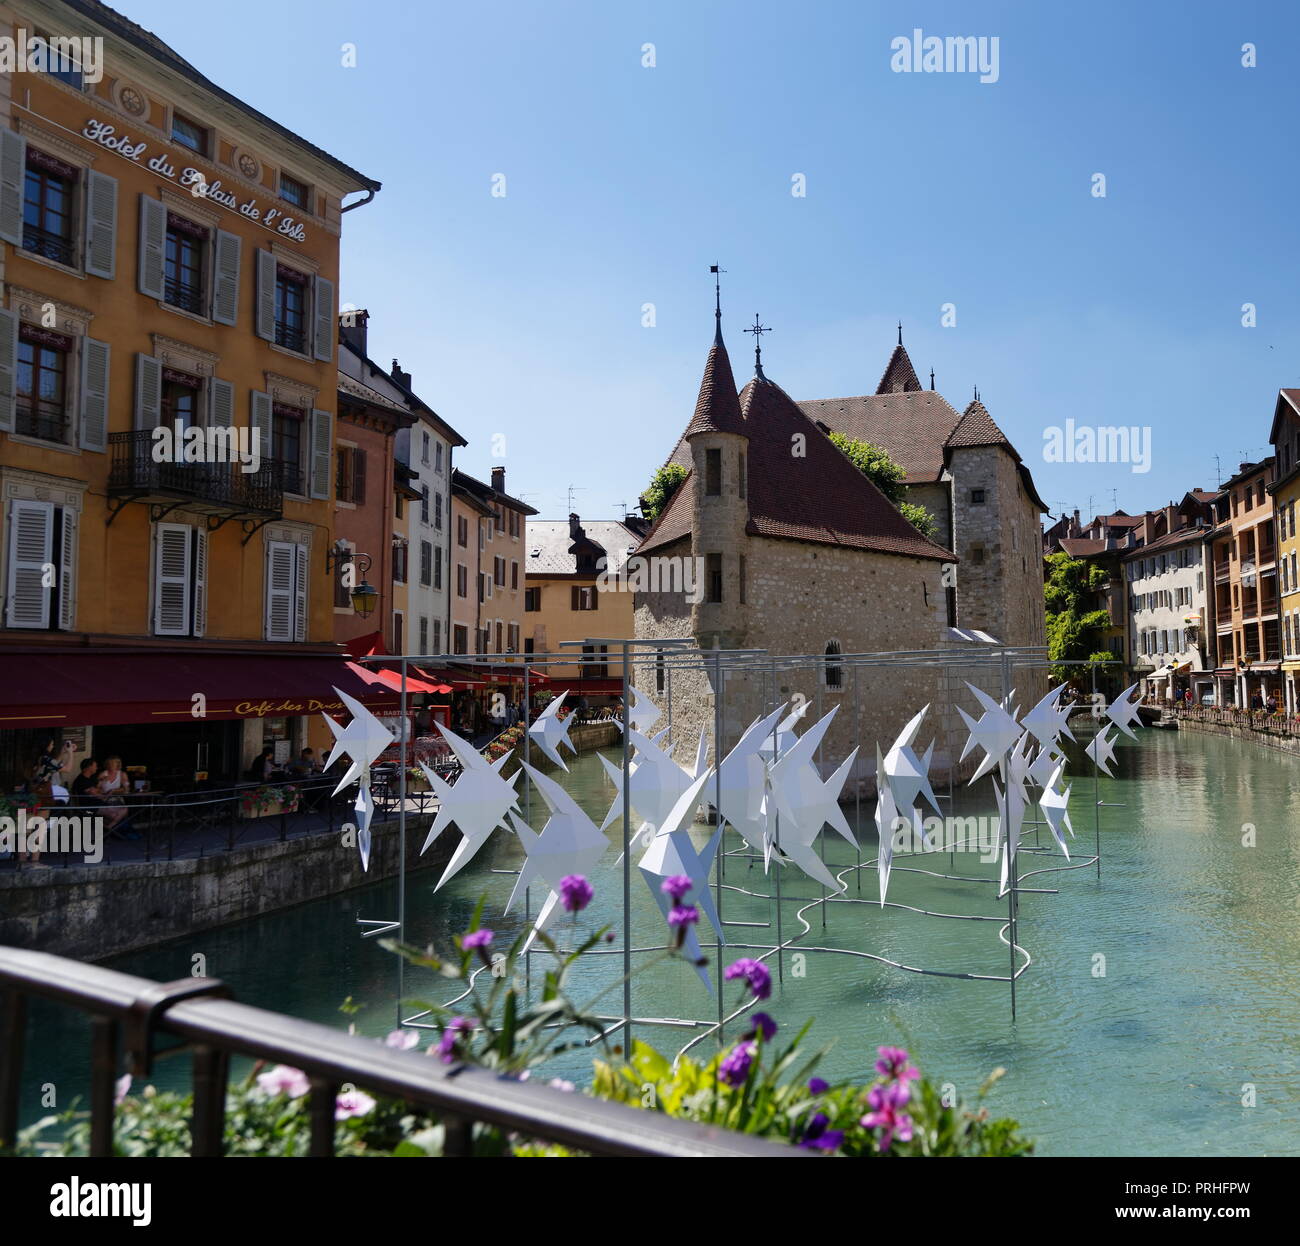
170,262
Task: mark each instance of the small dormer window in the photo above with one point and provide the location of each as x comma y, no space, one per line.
977,497
189,134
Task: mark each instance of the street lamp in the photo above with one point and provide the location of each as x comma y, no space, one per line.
364,596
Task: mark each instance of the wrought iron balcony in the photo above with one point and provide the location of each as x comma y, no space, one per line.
290,337
46,421
50,245
217,488
187,297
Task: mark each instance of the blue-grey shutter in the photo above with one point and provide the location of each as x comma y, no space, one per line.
221,404
8,368
259,420
264,321
101,225
94,394
326,324
225,289
13,175
153,246
322,452
148,392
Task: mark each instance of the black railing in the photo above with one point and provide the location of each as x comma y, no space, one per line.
133,1012
50,245
46,421
133,470
290,338
187,297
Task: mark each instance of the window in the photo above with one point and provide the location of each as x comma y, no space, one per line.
977,497
437,456
659,670
426,563
512,637
713,578
499,648
437,569
462,531
189,134
398,631
286,446
286,591
834,672
460,637
350,478
744,473
977,555
180,580
424,449
713,473
41,409
40,535
532,600
516,523
583,597
290,309
514,574
437,636
528,645
58,56
424,505
401,562
437,511
594,661
295,192
499,571
462,584
424,634
183,265
49,194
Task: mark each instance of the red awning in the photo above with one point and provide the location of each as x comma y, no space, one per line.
109,687
393,679
365,646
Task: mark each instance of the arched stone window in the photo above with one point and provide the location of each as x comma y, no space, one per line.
832,671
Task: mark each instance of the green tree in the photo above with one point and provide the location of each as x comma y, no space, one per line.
876,465
663,484
1074,628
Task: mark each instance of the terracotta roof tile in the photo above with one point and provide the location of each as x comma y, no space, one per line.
899,376
976,428
912,427
717,409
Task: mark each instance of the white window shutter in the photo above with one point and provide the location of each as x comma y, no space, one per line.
322,452
259,420
153,246
8,366
279,590
148,392
68,571
264,321
31,535
94,394
300,593
171,592
225,288
221,403
101,225
200,581
13,176
326,324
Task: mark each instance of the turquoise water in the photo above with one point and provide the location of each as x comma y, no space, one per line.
1198,935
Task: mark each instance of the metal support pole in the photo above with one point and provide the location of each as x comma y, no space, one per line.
720,855
776,839
401,851
1096,775
1013,867
528,815
857,792
627,858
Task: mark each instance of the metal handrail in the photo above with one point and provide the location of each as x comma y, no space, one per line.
215,1028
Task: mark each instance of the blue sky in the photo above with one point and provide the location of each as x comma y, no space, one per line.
522,315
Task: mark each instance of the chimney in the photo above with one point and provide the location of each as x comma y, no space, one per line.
352,329
402,378
1075,530
637,524
499,479
575,528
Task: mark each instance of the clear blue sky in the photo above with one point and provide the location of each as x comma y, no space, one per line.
522,315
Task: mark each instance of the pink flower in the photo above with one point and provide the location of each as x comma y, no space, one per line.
893,1063
403,1040
121,1087
352,1103
886,1102
282,1080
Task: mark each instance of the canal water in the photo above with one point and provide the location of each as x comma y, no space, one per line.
1159,1016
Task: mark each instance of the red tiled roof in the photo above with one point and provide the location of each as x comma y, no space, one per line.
899,376
912,427
717,410
976,428
1081,547
1179,536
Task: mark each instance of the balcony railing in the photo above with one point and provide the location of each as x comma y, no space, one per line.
134,472
213,1027
187,297
45,421
51,246
289,337
1222,570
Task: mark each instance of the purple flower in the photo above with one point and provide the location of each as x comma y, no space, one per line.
575,892
757,974
734,1069
763,1024
817,1087
818,1138
476,938
352,1103
282,1080
684,915
676,886
886,1101
446,1047
893,1063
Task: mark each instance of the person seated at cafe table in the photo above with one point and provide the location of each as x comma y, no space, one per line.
263,768
112,786
305,764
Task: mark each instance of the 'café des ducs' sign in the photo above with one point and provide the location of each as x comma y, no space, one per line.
192,179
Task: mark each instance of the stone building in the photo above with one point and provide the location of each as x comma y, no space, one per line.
799,553
1285,491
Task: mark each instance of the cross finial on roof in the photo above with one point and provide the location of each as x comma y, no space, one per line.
717,301
758,329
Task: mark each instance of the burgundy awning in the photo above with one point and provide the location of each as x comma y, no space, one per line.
107,687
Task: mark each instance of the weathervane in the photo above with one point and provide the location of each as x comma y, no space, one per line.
758,330
717,300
